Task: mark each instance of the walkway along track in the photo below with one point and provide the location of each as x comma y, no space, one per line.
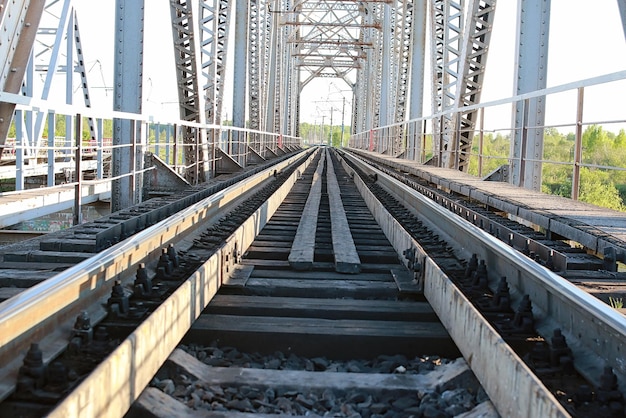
512,387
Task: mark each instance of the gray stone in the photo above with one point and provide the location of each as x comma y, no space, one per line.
431,412
304,401
379,408
273,364
241,405
167,386
284,405
320,363
270,395
405,402
454,410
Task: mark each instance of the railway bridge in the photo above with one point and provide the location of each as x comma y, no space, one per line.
333,177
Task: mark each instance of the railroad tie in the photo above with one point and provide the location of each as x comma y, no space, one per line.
346,257
303,248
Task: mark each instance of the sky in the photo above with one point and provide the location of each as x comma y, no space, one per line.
580,47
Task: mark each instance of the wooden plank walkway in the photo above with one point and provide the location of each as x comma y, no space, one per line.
592,226
303,248
346,257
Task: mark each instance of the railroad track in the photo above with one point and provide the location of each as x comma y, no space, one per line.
307,297
211,257
55,252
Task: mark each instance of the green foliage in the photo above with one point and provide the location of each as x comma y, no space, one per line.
616,303
495,153
606,188
316,134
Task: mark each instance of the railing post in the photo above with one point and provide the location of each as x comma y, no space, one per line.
51,163
440,141
175,148
481,137
157,129
167,144
77,218
99,150
133,161
423,157
578,145
19,150
197,162
456,144
524,137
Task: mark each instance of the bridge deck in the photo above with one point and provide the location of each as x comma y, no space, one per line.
594,227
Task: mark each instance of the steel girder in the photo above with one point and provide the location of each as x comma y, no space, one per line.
531,71
446,31
19,20
474,60
257,56
199,31
404,23
460,42
46,54
214,23
126,190
328,40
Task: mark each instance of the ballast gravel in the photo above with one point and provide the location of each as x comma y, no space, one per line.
435,403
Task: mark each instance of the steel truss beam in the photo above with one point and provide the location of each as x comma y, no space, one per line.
446,31
460,42
200,31
20,20
531,72
474,53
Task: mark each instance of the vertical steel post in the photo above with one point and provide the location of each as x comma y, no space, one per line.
127,95
51,162
100,151
418,59
197,162
240,64
386,71
19,150
157,134
481,138
78,156
530,75
343,116
175,148
578,145
167,144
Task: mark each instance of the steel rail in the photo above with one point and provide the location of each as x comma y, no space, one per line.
54,304
595,332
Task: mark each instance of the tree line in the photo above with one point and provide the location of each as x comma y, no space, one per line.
600,148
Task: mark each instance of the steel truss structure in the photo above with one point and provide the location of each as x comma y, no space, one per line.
56,49
460,41
376,46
